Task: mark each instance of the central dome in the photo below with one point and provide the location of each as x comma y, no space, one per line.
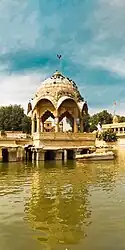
58,86
57,96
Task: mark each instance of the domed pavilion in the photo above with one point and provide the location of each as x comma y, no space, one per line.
58,97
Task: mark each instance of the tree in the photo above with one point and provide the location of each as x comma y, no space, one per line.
12,118
86,124
26,124
121,118
103,117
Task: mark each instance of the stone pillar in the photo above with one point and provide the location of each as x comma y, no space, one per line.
42,127
12,154
33,155
65,155
1,157
114,130
74,154
59,155
57,124
33,126
118,130
75,126
38,125
40,155
122,130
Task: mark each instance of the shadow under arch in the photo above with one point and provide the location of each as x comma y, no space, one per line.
46,115
64,99
69,117
42,99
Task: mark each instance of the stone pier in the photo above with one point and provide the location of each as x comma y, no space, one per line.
12,154
40,155
20,154
59,155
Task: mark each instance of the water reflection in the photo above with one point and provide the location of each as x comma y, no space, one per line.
61,202
59,206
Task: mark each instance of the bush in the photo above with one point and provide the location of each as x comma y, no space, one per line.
109,136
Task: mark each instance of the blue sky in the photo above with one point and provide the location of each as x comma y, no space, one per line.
90,35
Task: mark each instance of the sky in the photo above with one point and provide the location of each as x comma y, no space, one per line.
90,36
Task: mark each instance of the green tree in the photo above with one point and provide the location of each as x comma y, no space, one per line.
103,117
121,118
12,118
86,122
26,124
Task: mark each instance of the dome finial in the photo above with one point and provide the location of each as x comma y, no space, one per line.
59,56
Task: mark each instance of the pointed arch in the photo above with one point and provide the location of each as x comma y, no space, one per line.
38,100
68,104
46,115
67,115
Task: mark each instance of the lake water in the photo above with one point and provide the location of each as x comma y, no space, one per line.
57,206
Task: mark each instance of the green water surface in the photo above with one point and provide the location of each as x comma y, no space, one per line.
74,206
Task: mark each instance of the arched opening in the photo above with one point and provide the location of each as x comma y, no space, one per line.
50,155
66,122
28,152
48,121
5,155
69,114
70,154
46,111
84,151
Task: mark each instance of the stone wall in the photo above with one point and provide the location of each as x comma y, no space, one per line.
7,142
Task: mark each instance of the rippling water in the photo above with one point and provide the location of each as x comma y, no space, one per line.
72,206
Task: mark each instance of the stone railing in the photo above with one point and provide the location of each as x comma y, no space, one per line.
65,139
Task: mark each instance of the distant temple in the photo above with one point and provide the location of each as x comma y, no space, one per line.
116,126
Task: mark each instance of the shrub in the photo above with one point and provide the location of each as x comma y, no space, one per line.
109,136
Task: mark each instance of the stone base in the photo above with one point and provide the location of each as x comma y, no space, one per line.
12,154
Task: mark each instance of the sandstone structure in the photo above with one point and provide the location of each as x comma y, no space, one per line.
58,97
59,100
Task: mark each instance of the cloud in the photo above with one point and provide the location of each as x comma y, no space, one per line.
18,25
111,64
18,89
89,34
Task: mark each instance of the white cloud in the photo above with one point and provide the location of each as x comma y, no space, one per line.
18,89
111,63
106,47
21,28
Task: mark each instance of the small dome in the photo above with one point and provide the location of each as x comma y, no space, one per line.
29,108
115,119
58,86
